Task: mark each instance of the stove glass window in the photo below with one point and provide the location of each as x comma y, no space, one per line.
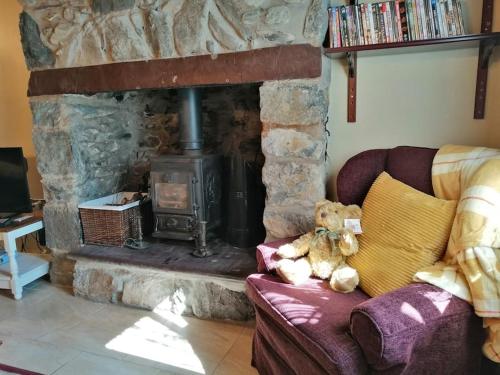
171,195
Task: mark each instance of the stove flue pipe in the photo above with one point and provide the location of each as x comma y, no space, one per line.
191,134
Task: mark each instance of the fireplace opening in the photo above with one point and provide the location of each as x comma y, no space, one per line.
197,152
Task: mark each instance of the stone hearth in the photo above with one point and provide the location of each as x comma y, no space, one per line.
207,288
89,146
206,297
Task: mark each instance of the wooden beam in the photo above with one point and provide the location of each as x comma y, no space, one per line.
266,64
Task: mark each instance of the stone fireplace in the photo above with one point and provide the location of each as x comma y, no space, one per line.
104,98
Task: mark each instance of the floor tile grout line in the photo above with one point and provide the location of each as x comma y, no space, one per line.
121,359
32,341
64,364
58,329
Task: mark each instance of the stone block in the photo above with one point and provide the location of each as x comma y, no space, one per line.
36,54
61,263
293,103
54,151
61,279
290,143
46,112
283,222
293,182
228,41
95,284
212,301
149,292
316,22
60,188
106,6
232,12
61,268
188,26
126,37
162,42
62,225
277,15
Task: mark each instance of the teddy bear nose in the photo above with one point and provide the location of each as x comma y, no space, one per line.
323,215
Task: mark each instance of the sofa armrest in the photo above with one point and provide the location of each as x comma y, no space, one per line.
418,328
266,254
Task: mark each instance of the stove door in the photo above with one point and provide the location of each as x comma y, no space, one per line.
173,191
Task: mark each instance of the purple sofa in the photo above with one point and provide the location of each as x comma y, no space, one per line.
309,329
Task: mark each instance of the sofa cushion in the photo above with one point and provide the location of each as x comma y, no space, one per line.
412,166
266,254
315,318
409,329
357,175
404,230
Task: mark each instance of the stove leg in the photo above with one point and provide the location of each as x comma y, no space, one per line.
201,241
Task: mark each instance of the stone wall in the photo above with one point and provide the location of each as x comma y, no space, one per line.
90,146
61,33
294,115
74,137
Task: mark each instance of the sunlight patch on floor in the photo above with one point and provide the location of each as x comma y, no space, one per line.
153,341
163,311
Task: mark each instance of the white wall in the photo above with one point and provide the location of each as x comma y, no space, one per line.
416,98
15,114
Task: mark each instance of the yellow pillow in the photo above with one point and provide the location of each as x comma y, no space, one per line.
404,230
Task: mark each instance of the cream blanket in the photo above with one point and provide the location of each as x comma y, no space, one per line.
471,266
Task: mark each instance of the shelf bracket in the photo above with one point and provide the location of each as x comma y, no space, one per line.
352,64
485,51
352,61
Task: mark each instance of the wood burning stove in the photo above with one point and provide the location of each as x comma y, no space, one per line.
186,189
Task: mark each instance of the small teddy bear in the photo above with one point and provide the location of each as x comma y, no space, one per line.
323,251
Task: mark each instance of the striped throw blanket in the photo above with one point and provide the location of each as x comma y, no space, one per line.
470,268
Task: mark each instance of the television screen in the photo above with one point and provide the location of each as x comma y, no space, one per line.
14,193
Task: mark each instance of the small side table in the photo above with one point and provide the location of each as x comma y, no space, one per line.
24,268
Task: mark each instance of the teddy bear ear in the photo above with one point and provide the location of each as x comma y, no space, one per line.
322,202
354,211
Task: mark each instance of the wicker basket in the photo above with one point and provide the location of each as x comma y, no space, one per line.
109,225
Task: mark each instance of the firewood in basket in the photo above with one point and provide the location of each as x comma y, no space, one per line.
125,200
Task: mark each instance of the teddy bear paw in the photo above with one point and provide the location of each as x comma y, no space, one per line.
344,279
287,251
348,243
294,272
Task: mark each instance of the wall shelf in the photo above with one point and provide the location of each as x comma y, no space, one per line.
439,44
486,41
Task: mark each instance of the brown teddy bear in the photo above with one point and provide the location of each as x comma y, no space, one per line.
323,251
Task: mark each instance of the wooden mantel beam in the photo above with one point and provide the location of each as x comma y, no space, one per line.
266,64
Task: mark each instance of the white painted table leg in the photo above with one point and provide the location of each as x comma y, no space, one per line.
10,247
